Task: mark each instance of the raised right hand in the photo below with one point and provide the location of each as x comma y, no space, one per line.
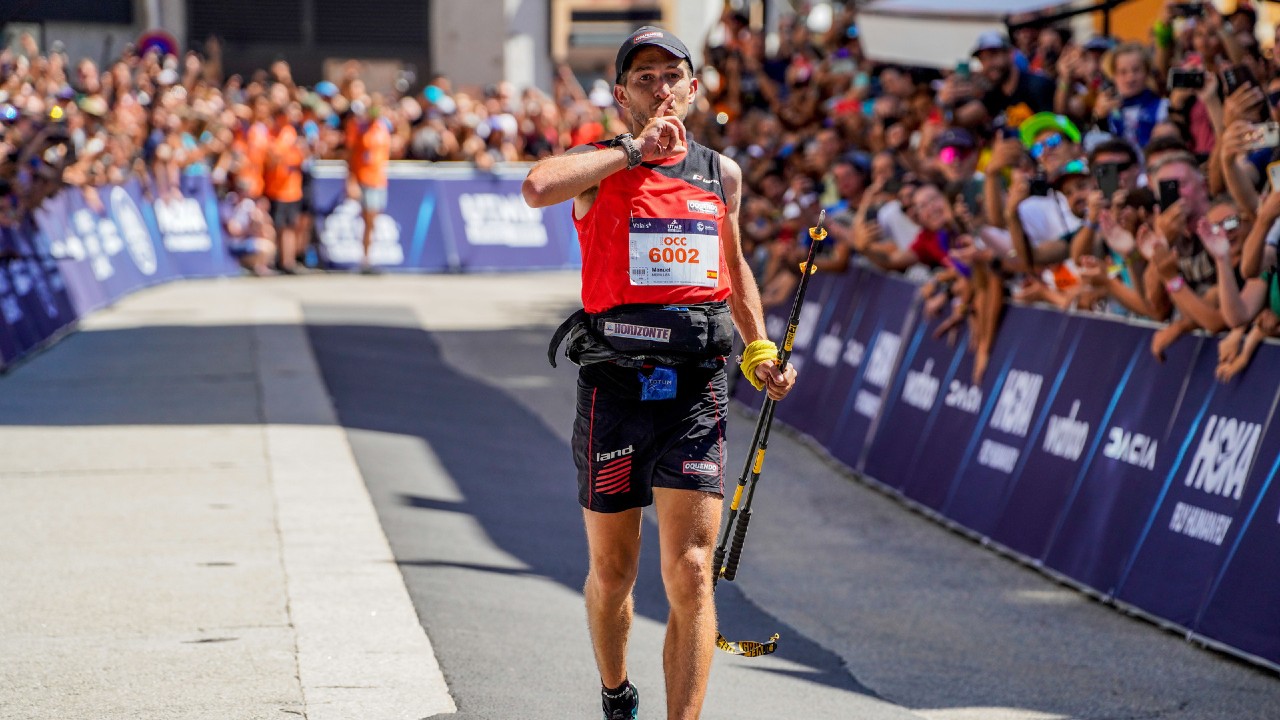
664,135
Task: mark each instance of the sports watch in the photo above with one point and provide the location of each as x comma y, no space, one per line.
628,143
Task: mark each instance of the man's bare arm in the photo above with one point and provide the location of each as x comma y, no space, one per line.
574,175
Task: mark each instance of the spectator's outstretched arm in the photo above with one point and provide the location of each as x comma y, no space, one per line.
1238,308
1006,155
1251,258
1239,174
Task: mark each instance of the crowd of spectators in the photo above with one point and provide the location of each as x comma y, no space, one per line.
1117,177
1082,172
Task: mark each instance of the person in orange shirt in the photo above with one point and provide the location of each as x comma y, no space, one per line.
368,152
283,186
252,149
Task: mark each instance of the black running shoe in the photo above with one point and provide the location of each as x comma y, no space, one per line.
623,705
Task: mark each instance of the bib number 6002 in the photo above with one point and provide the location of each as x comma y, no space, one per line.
673,254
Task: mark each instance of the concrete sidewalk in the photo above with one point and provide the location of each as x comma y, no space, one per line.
184,532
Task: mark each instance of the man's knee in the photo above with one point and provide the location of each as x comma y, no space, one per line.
614,573
687,577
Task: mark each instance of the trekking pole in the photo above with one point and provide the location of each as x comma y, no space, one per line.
739,510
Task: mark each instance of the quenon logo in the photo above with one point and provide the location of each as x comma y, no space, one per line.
1225,455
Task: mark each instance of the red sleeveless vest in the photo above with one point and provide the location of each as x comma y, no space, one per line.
648,236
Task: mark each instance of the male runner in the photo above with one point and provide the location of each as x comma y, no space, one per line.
663,281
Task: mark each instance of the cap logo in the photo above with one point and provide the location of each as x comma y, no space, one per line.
647,36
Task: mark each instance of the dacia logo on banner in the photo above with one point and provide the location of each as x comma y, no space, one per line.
921,389
1132,448
183,225
1222,462
1017,403
497,219
137,239
1067,436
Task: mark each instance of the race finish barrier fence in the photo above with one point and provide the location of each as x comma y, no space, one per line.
1147,484
80,253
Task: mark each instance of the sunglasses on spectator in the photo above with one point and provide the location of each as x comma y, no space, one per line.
1039,149
1274,98
1228,224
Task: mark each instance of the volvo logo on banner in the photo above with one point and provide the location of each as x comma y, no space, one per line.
342,234
501,219
183,226
1067,436
137,238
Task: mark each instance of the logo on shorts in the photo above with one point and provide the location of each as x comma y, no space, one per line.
700,206
701,467
637,332
628,450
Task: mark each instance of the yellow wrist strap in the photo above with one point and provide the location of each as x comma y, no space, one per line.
756,353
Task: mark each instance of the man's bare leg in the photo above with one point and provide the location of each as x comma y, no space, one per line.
687,524
613,544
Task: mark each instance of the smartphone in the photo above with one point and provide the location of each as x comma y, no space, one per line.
1108,176
1186,79
1039,185
1236,76
1187,9
1264,135
962,69
1170,191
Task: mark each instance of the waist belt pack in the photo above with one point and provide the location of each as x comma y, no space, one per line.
639,334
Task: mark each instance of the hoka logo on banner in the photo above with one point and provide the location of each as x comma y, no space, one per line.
183,225
494,219
827,354
921,389
1017,403
883,353
1066,436
1222,462
1133,448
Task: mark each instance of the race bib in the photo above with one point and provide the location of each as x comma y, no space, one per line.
675,252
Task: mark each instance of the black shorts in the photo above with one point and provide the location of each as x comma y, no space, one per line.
285,214
624,446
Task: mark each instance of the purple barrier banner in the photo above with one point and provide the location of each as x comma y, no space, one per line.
1113,500
1021,394
927,379
190,231
816,350
1240,609
1199,511
446,221
1097,362
965,407
874,347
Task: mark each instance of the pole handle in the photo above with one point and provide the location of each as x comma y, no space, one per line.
735,550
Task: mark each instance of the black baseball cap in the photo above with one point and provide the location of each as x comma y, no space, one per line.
649,35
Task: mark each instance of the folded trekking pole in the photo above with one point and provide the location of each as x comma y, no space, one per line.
740,509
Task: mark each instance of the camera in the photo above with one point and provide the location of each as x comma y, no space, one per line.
1040,185
1180,79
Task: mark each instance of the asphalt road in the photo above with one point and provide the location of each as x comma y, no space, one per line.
462,438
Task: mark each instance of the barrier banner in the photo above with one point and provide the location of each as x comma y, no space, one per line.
1113,499
189,229
47,302
1097,358
927,379
965,407
99,263
472,221
1015,416
819,337
1244,592
1198,514
877,338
